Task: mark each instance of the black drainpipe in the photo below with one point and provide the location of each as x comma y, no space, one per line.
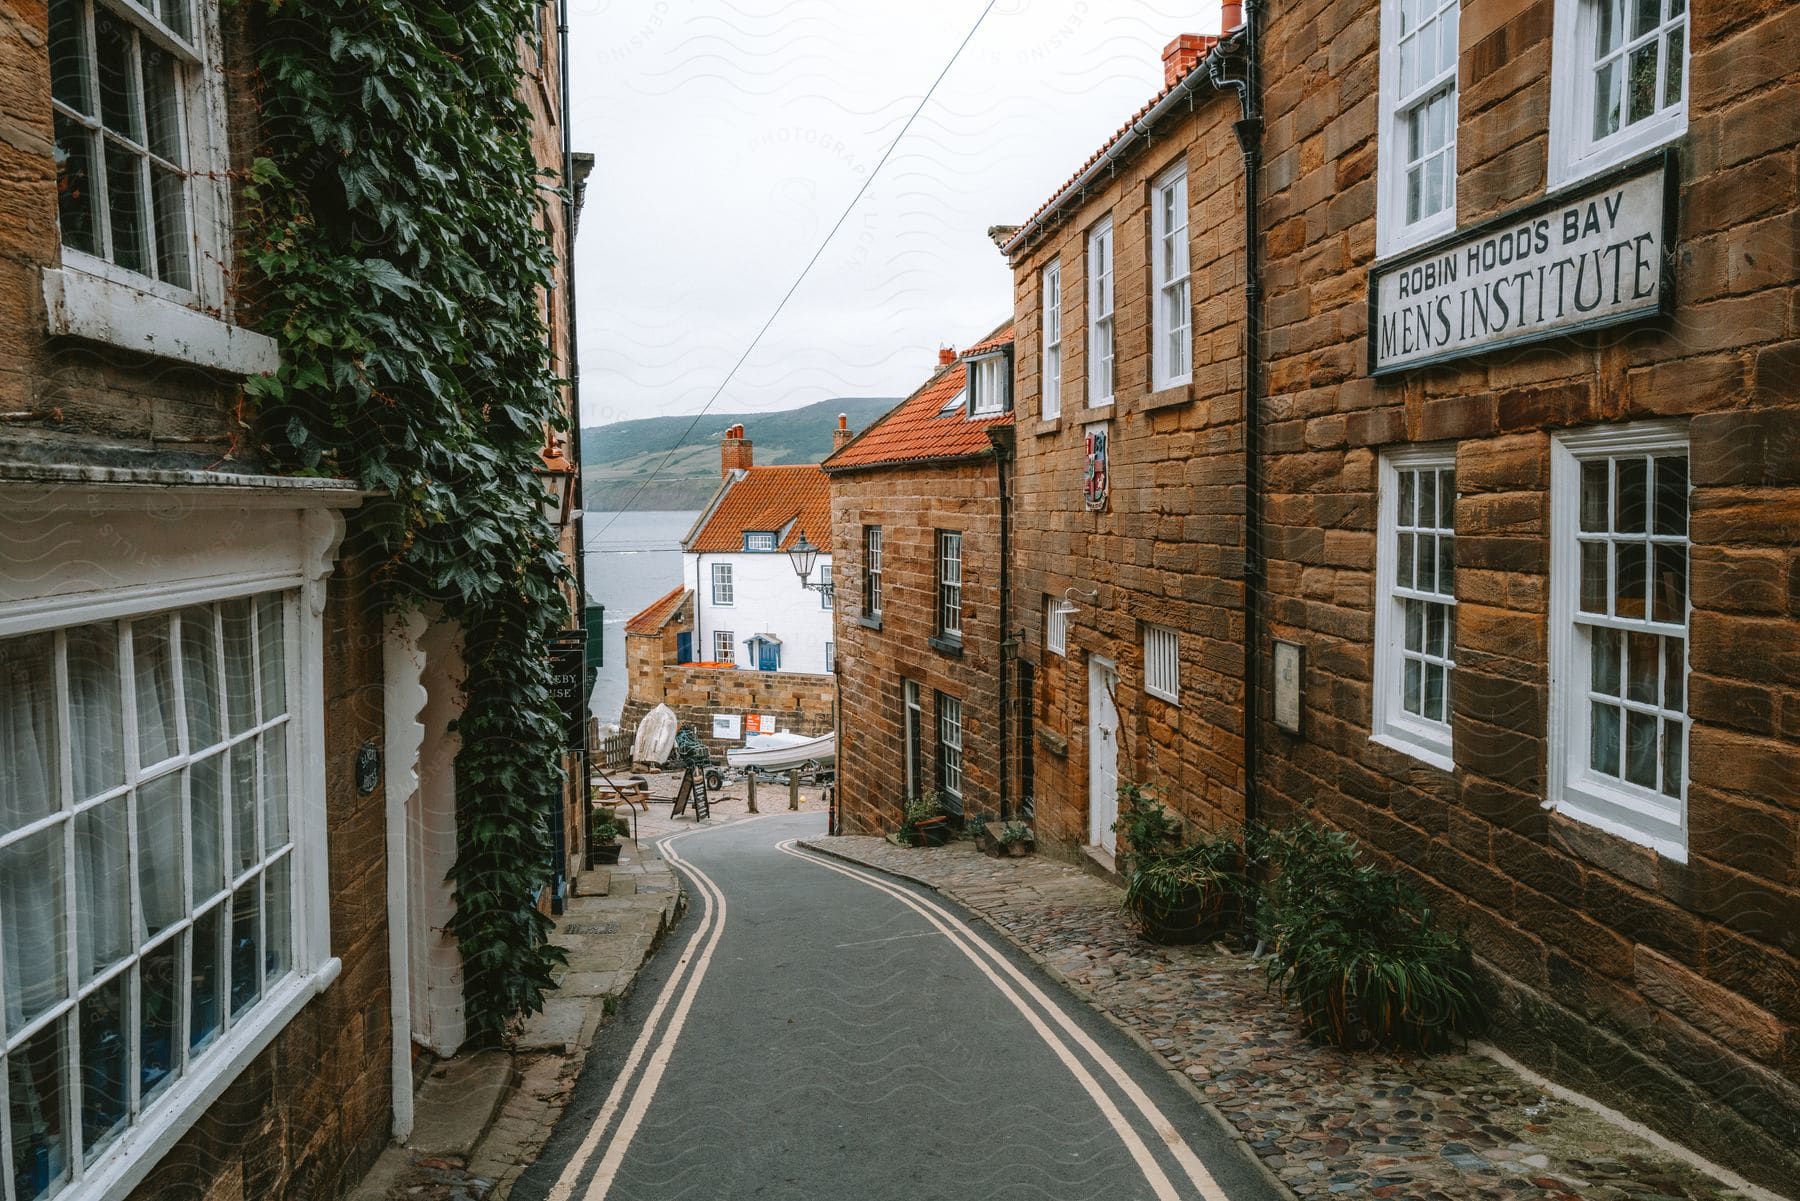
1249,134
1009,644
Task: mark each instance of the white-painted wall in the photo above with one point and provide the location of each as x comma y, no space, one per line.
768,600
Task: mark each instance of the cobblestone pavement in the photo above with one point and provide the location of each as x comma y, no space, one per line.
1325,1122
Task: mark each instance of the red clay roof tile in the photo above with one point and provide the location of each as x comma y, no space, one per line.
791,498
658,614
917,430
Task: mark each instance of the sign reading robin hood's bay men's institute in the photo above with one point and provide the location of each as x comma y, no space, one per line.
1600,256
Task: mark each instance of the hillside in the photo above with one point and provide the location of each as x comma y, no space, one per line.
617,458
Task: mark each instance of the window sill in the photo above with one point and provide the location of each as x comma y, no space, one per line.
870,623
944,644
1053,742
1047,425
1169,397
85,306
1435,757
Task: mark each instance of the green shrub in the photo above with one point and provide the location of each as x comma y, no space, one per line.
918,809
1357,948
1146,828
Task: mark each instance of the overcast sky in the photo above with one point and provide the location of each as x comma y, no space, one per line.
731,134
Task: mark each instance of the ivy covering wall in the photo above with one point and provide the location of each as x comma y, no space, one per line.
394,249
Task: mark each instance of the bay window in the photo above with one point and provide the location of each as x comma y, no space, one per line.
147,867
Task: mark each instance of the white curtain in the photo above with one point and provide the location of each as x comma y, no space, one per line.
200,678
97,762
161,889
31,895
240,664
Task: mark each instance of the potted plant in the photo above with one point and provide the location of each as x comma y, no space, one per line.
1177,894
924,822
979,826
1358,949
603,839
1016,840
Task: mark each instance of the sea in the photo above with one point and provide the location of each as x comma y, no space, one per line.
632,558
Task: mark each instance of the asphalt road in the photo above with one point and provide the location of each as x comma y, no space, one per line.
813,1030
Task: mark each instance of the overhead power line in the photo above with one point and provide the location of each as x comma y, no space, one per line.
810,263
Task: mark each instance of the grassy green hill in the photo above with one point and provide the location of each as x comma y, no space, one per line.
616,459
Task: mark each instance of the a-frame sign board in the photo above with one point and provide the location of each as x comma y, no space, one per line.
692,786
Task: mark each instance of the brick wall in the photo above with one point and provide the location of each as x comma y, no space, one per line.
800,703
1665,988
1168,549
911,504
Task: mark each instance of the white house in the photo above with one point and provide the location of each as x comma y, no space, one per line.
750,606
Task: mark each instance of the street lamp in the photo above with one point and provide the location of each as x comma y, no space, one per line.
557,475
803,555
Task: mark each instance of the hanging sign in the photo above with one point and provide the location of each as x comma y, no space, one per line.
1098,478
1599,256
568,675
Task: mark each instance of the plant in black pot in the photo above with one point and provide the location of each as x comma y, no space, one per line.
1357,948
924,822
603,839
1177,894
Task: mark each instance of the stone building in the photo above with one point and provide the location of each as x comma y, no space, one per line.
1518,537
1578,726
203,961
917,513
1128,525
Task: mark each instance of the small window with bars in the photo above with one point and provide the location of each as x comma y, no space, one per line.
1162,663
1056,626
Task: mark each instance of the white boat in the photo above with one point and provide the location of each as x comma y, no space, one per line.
778,752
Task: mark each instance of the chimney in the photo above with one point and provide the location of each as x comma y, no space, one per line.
1184,54
840,437
946,355
734,452
1231,15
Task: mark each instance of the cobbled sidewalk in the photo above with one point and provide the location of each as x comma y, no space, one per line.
1324,1122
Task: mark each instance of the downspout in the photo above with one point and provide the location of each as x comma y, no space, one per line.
1249,135
1002,443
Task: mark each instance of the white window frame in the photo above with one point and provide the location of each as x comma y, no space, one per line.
1172,297
950,583
90,297
950,745
1632,812
1393,232
1056,626
1575,155
830,658
872,571
827,594
1162,663
1050,343
724,589
989,385
724,646
219,569
1102,360
1424,739
757,541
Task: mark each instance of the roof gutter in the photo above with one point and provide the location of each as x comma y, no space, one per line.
1134,133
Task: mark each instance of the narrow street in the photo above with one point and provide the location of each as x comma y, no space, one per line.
814,1030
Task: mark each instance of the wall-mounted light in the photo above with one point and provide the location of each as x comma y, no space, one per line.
804,555
557,475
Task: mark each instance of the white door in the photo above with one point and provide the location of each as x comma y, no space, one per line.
1103,753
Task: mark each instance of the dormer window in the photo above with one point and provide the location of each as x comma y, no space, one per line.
759,540
990,385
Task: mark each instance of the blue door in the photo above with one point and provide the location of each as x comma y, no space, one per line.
769,656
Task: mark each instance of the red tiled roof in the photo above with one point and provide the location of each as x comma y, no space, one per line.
793,498
916,430
1044,209
659,613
